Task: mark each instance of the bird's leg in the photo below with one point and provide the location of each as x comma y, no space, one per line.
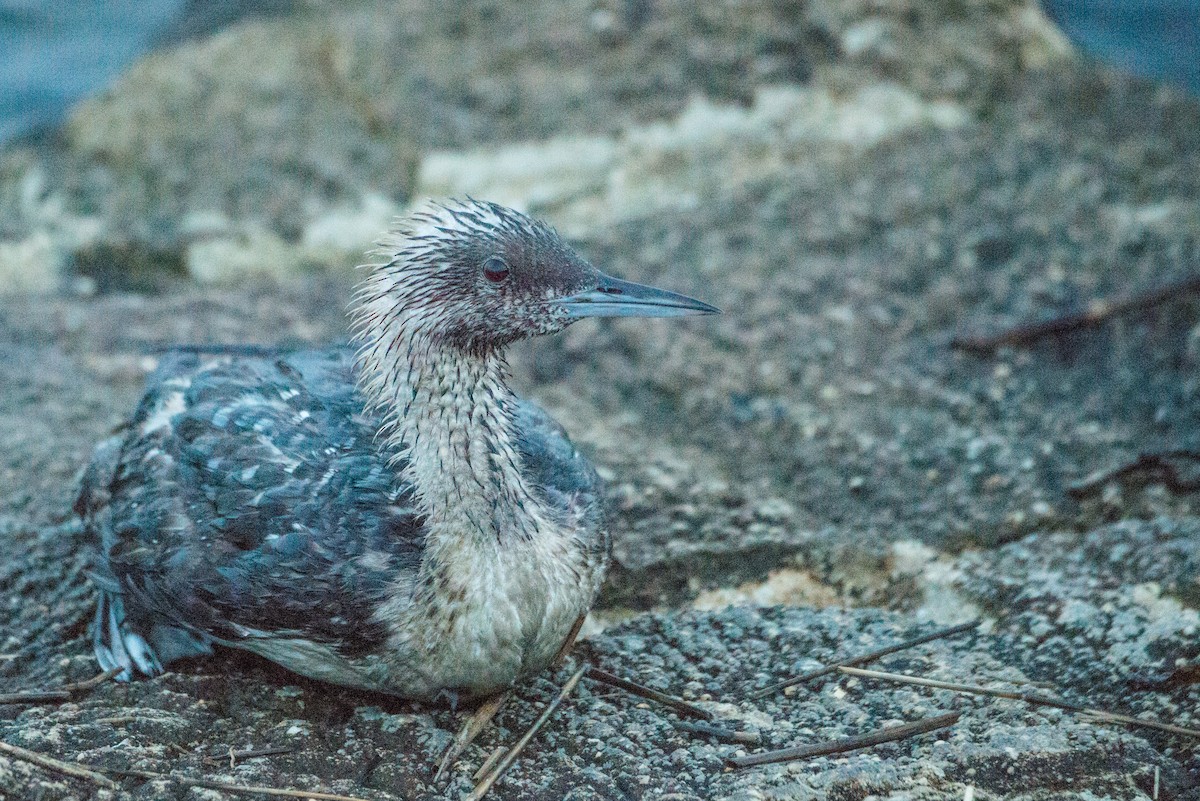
483,714
472,726
570,641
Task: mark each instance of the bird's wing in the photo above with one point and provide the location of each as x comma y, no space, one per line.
250,496
566,477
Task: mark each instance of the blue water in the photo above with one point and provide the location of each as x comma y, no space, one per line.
1157,39
55,52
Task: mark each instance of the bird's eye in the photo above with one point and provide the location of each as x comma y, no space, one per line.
495,269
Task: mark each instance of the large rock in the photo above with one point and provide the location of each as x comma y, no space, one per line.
709,150
278,124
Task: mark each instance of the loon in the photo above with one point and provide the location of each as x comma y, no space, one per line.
387,516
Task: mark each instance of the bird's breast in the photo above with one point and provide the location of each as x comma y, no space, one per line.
486,613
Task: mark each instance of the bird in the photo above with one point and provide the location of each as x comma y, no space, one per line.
387,514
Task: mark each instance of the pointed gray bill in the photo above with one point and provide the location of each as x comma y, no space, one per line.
616,298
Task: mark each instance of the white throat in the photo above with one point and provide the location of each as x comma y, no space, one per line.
450,415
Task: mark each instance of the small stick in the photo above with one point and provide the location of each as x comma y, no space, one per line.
64,693
678,704
116,719
720,732
471,728
877,737
212,784
232,756
57,765
506,761
488,763
804,678
1157,465
1098,312
1029,698
34,697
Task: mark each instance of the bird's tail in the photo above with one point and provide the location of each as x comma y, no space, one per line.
117,645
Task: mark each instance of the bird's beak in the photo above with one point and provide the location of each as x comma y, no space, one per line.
613,297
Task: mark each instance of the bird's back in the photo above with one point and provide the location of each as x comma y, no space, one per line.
251,496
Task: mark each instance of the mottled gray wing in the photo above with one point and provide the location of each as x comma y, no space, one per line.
567,479
251,495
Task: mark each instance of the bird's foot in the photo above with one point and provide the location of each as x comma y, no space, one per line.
471,729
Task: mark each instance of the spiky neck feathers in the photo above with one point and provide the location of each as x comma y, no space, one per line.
443,396
450,415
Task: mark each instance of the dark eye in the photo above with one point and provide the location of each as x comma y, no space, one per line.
495,269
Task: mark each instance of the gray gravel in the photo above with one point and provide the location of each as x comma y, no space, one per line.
604,744
819,444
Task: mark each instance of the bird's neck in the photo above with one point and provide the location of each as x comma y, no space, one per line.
451,417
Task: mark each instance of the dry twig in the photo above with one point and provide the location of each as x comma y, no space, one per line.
475,724
227,787
678,704
1097,313
488,763
56,765
231,756
116,720
720,733
1156,466
877,737
1029,698
485,784
64,693
864,658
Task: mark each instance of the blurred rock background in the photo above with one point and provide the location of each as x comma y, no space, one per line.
854,183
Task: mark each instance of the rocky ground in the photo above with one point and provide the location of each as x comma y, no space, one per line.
855,184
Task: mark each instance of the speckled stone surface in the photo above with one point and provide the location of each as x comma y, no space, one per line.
605,744
820,444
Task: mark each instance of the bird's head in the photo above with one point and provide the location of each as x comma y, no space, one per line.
478,276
